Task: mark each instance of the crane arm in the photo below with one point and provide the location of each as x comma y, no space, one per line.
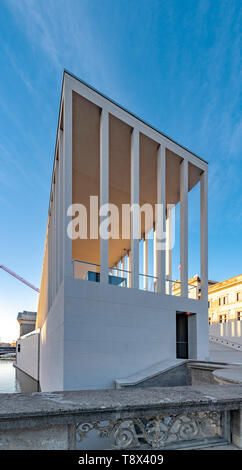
19,278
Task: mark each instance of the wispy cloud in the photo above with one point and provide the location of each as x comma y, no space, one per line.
64,34
12,59
9,159
38,30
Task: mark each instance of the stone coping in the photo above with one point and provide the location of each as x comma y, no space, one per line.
211,365
150,372
167,365
127,402
229,375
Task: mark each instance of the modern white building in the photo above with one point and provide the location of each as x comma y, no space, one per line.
103,314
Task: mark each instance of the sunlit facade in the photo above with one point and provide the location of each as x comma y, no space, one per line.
103,314
225,300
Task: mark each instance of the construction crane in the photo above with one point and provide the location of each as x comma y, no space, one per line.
19,278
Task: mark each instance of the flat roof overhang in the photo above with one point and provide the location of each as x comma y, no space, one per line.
86,173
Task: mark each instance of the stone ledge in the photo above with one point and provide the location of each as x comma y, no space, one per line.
21,410
228,375
149,372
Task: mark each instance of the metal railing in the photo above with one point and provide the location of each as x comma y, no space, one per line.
150,418
121,277
147,282
174,288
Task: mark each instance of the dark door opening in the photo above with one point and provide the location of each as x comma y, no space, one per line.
182,336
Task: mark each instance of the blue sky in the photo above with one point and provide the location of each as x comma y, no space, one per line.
174,63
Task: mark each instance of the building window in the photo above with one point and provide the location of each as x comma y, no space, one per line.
223,318
208,304
225,300
238,296
239,316
18,347
209,320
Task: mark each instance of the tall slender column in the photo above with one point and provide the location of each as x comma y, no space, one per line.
134,200
154,259
54,238
128,269
161,218
169,250
204,234
49,266
184,227
104,196
52,251
67,174
122,272
57,220
58,227
145,263
61,224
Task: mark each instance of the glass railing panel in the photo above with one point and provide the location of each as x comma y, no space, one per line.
192,291
121,277
173,287
147,282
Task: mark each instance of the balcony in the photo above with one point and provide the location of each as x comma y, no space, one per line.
121,277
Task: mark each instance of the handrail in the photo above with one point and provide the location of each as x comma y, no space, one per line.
115,413
173,282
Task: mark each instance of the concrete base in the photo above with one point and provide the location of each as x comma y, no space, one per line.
95,333
237,428
44,438
48,420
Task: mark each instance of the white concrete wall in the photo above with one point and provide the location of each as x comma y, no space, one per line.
231,331
51,346
28,358
111,332
97,333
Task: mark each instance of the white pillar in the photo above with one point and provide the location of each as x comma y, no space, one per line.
57,184
184,227
58,265
154,260
145,263
104,187
122,272
67,177
128,269
52,251
61,224
54,237
161,218
204,234
49,266
134,200
169,249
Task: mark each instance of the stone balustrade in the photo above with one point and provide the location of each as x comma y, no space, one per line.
162,418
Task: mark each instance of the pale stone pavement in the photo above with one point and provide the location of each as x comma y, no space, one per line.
221,353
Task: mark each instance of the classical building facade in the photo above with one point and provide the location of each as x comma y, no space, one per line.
194,287
102,314
27,321
225,300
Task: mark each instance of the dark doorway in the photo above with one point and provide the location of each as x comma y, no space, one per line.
182,336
